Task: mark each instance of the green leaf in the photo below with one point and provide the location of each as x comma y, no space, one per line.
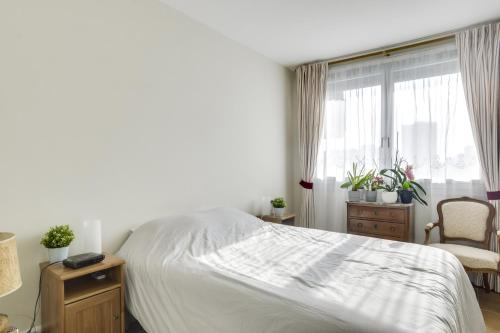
418,186
345,185
418,198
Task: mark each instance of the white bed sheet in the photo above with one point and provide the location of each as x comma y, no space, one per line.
226,271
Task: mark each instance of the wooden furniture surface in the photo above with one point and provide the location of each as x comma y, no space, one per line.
288,219
387,221
74,302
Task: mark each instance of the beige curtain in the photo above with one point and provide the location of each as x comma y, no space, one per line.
479,56
311,93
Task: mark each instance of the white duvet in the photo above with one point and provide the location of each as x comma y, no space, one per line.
226,271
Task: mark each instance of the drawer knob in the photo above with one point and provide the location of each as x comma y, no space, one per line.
393,229
116,317
375,226
360,225
375,212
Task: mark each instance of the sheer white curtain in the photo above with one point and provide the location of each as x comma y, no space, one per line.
352,133
414,103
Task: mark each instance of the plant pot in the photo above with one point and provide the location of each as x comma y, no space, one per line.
354,196
406,196
58,254
389,197
279,211
362,192
371,196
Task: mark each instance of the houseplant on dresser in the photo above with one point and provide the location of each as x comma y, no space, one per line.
57,241
356,180
374,183
401,183
390,194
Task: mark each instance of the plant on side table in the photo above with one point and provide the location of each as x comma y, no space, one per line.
279,205
356,180
57,241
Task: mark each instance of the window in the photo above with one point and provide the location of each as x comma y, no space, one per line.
413,103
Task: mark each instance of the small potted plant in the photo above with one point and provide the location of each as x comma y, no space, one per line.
405,194
355,181
410,188
374,183
390,195
279,205
402,181
57,241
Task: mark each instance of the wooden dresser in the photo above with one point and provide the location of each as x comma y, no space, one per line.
388,221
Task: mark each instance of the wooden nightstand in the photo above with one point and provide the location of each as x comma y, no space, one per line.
288,219
74,302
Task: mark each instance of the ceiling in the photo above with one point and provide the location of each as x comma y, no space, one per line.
292,32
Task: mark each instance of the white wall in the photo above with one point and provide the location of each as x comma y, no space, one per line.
126,110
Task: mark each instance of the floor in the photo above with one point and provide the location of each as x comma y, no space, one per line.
489,303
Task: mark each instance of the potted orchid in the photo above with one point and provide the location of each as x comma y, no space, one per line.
401,182
406,191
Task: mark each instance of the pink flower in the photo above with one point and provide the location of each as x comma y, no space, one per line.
409,172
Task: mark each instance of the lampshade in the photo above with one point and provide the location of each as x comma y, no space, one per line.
10,276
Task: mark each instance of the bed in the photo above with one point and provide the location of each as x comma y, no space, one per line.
223,270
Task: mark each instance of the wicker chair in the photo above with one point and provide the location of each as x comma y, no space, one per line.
467,220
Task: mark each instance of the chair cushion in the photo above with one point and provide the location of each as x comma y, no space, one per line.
472,257
465,219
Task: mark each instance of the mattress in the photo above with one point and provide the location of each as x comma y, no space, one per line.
223,270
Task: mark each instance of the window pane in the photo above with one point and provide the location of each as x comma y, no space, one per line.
419,96
432,128
352,131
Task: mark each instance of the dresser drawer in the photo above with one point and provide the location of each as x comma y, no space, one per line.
395,230
378,213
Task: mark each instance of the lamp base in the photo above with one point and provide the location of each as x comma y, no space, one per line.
4,323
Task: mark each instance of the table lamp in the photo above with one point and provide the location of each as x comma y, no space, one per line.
10,276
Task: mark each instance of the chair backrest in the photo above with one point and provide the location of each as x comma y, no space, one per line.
466,219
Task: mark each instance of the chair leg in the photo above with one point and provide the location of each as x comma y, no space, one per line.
486,282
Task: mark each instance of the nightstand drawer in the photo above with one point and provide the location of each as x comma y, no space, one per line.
395,230
378,213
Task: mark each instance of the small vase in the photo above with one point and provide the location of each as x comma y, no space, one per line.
371,196
58,254
279,211
354,196
389,197
406,196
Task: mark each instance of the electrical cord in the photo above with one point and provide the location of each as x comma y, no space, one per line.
32,326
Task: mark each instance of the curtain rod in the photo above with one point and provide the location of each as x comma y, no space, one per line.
387,50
